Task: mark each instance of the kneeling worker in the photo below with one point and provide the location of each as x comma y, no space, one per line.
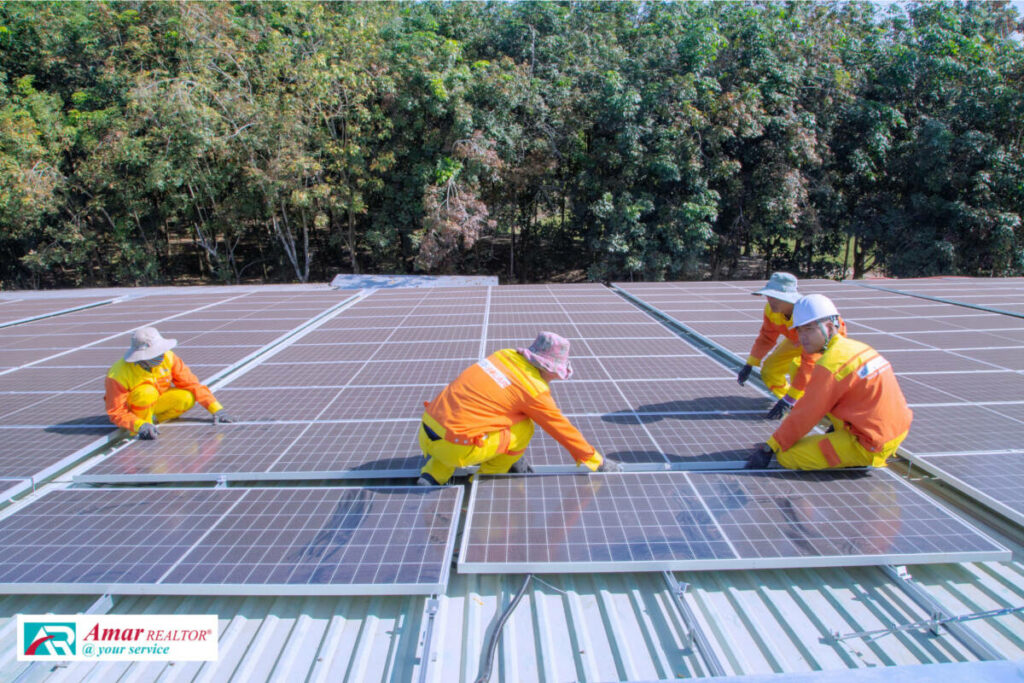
151,384
485,417
851,384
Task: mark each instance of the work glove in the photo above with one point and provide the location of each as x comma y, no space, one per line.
223,417
760,458
744,373
520,467
593,462
780,408
148,431
609,465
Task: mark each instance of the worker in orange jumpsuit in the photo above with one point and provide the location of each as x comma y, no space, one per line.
787,369
851,384
152,384
486,416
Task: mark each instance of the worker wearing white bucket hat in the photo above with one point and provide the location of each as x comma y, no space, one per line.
152,384
787,369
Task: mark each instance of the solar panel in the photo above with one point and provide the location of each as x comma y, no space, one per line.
264,452
27,451
281,541
960,428
993,478
714,520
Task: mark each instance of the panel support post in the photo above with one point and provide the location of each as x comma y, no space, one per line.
695,635
430,610
919,594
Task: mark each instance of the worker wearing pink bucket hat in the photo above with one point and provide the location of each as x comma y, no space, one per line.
486,416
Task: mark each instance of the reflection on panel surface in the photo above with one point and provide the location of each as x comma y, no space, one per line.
712,520
284,541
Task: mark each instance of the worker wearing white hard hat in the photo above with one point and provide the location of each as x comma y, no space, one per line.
786,370
851,384
151,384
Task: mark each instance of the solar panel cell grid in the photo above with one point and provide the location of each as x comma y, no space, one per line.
992,475
27,451
966,428
673,520
323,374
380,403
621,438
273,404
338,541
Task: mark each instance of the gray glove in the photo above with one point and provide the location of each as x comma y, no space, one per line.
223,417
609,465
780,408
760,458
148,431
744,373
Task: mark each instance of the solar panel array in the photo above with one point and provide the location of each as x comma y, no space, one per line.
51,388
1001,295
961,369
703,520
282,541
17,309
344,401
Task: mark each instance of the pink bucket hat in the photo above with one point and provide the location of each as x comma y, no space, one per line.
550,352
147,344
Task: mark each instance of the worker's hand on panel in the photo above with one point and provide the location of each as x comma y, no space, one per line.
744,374
780,408
223,417
148,431
760,458
609,465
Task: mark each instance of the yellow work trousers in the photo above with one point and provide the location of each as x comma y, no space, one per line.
445,457
149,405
838,448
780,365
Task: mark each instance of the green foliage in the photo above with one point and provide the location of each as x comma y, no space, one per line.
158,142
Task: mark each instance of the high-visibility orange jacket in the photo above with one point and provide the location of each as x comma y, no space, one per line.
124,377
856,384
775,325
496,393
772,326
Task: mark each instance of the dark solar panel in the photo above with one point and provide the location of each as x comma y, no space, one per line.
284,541
27,451
994,478
680,521
273,451
963,428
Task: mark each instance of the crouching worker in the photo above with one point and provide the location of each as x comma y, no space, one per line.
486,416
151,384
851,384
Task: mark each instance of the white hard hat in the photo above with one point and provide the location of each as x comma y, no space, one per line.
811,308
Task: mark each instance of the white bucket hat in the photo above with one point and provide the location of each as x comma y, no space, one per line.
781,286
147,344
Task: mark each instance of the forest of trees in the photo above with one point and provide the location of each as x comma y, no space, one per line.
185,142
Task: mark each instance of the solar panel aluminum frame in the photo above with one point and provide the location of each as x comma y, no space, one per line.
278,343
270,590
801,562
72,309
935,469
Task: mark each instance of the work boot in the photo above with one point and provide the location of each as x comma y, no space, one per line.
426,480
